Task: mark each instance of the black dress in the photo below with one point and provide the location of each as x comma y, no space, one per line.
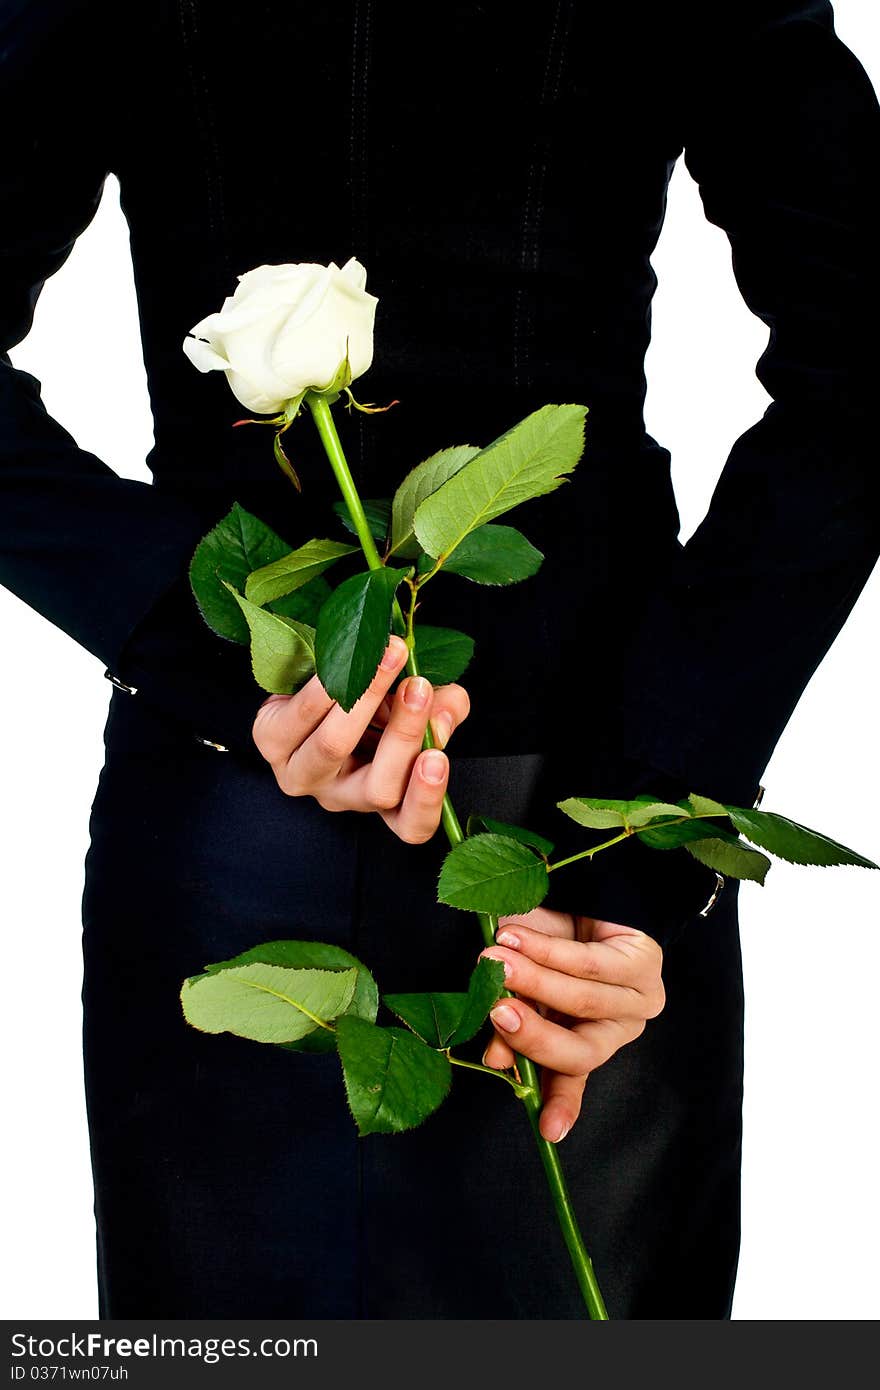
505,185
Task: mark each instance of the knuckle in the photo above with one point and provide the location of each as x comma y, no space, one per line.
331,747
590,967
382,798
541,947
289,783
425,833
656,1001
408,733
413,836
266,739
463,700
589,1056
655,951
310,708
585,1002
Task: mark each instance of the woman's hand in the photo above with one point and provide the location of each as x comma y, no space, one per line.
369,759
594,983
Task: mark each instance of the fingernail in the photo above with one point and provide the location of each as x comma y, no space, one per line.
442,726
483,1058
434,767
395,653
558,1132
507,938
506,1018
508,968
417,692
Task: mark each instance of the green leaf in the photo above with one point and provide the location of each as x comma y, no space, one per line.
321,955
495,555
424,479
238,544
492,873
377,510
736,860
477,825
442,653
445,1020
604,813
526,462
434,1017
643,812
393,1080
353,630
788,840
282,649
303,604
294,570
671,835
594,812
266,1003
705,806
484,990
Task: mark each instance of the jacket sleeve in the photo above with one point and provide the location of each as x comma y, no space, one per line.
103,557
781,131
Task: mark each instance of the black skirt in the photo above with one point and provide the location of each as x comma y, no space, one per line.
229,1178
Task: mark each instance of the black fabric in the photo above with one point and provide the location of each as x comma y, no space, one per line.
508,238
229,1179
505,183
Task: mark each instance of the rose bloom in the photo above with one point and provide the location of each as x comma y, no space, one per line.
284,331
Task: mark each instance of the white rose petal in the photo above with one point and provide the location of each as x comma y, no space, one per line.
285,329
203,356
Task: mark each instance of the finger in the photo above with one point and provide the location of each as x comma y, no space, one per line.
383,714
318,759
419,813
562,1096
498,1054
451,707
574,1051
373,732
383,782
569,992
543,919
586,960
284,721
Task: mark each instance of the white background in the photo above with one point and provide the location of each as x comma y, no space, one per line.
811,937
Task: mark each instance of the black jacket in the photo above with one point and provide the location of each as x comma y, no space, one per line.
502,175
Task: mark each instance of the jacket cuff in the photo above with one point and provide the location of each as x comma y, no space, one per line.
201,682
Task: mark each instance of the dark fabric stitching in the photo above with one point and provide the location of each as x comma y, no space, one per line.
188,14
534,205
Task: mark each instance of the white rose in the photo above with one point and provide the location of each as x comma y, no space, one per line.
285,329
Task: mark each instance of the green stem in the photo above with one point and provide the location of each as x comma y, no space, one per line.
565,1214
518,1086
527,1071
624,835
326,426
588,853
333,449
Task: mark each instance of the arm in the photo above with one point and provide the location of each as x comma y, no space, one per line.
781,130
96,554
783,140
106,559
